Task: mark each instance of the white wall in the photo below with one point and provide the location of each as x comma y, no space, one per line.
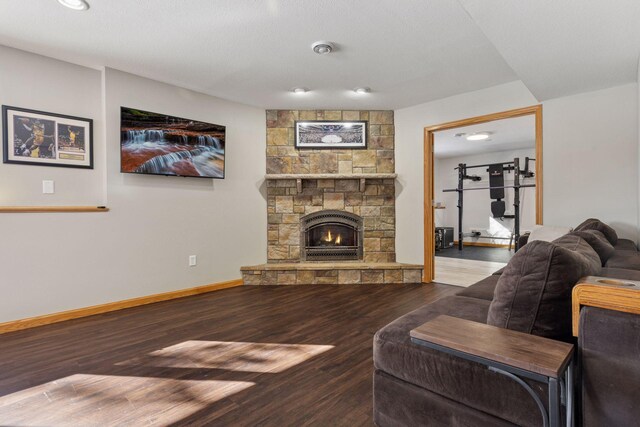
38,83
590,154
477,204
410,123
55,262
591,159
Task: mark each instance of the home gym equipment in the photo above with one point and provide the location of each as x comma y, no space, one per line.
497,192
444,237
496,182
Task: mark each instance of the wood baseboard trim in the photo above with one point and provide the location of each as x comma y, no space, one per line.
483,244
47,319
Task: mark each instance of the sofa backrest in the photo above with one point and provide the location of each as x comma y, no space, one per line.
596,224
598,242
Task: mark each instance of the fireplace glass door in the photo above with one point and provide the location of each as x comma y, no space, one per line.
331,236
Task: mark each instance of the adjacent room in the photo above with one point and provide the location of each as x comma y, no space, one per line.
479,212
319,213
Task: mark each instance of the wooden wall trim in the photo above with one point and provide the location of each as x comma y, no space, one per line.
46,319
539,159
509,114
429,221
45,209
429,272
484,244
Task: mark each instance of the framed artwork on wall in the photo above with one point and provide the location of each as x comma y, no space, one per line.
39,138
331,134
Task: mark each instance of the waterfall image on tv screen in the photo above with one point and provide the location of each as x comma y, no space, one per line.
157,144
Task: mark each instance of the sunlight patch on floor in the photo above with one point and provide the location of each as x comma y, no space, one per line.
103,400
463,272
231,356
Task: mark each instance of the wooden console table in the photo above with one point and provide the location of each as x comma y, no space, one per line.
514,354
604,292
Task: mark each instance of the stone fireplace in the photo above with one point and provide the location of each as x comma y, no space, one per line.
331,235
330,212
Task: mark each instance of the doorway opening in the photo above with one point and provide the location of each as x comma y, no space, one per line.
483,189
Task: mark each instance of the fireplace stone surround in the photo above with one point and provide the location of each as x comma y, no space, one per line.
359,183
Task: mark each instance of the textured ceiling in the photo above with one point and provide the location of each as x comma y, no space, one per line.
506,135
255,51
563,47
408,52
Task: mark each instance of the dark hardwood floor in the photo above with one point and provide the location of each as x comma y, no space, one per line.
276,355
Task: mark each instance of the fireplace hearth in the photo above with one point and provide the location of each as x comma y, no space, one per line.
331,235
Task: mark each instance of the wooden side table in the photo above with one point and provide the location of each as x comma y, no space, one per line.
514,354
604,292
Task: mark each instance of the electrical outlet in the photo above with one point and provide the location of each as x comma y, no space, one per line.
48,187
193,260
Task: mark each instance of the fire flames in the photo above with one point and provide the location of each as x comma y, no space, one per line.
328,238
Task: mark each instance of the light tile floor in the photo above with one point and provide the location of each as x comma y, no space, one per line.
463,272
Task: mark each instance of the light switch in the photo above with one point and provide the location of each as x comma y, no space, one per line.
47,187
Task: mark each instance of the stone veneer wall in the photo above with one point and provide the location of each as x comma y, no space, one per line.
376,205
285,206
283,157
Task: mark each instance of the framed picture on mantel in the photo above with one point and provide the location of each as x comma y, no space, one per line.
39,138
331,134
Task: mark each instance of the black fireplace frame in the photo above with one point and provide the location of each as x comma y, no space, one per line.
331,253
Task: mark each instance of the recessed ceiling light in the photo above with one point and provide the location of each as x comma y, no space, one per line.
362,90
75,4
322,47
300,90
478,136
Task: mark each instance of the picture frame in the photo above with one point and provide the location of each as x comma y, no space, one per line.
331,134
40,138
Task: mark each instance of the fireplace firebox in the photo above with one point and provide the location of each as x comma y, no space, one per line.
331,235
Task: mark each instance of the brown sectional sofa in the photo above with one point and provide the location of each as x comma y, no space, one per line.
415,385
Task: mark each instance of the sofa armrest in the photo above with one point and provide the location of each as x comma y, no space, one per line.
607,293
531,353
610,373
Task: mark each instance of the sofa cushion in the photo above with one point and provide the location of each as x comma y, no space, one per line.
466,382
533,295
625,245
629,260
482,290
598,242
596,224
620,273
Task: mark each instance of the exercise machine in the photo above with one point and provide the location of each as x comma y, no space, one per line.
496,192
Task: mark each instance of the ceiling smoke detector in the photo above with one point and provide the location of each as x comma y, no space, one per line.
75,4
322,47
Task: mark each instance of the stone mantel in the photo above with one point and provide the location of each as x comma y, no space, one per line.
359,176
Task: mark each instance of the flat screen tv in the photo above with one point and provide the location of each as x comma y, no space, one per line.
158,144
